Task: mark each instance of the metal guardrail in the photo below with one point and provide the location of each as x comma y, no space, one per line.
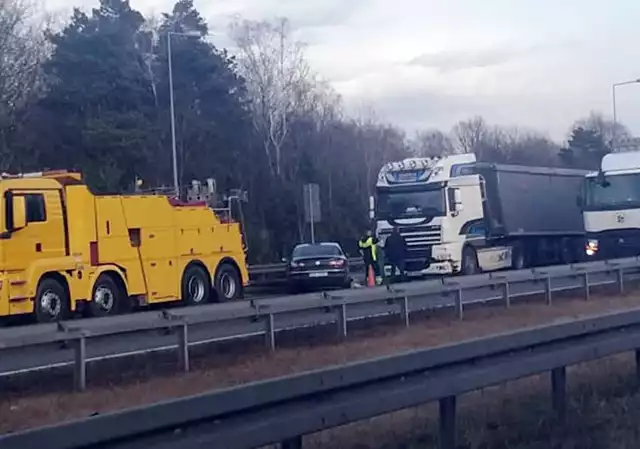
282,410
262,319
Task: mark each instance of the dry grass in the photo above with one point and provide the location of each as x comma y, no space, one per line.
603,412
219,369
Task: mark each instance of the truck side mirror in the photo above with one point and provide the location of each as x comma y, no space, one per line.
372,207
454,198
579,201
458,199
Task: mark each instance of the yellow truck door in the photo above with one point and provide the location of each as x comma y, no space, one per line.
41,245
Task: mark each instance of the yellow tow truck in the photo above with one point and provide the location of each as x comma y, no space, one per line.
65,250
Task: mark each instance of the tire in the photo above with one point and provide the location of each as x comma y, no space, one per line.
196,286
51,302
227,283
106,297
469,262
518,261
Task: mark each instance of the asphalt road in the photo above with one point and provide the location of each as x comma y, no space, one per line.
422,295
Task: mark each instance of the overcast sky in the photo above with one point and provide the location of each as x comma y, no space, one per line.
429,63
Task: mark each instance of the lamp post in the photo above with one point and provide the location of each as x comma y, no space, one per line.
176,183
615,114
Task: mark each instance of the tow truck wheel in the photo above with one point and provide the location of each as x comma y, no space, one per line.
196,287
106,297
227,283
52,301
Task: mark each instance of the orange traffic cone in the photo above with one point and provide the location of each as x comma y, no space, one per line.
371,277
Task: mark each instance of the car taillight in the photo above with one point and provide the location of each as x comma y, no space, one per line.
336,263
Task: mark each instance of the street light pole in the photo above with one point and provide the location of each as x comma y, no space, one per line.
615,112
176,183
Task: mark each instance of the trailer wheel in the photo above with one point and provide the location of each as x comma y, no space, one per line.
470,261
518,261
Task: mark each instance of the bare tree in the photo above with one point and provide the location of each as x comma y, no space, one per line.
431,143
278,80
469,134
23,48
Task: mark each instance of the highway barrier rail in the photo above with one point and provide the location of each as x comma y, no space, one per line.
80,342
285,409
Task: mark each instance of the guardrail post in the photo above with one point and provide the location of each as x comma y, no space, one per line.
459,309
80,364
270,333
559,392
587,293
620,274
506,296
183,347
448,423
404,309
638,365
342,321
292,443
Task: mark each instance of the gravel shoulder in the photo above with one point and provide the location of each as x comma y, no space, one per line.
220,368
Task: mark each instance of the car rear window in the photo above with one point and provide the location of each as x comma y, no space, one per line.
317,251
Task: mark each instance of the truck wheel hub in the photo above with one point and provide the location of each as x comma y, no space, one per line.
228,286
51,303
196,289
104,298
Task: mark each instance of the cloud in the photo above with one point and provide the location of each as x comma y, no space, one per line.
469,58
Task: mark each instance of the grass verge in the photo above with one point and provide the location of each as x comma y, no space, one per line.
153,379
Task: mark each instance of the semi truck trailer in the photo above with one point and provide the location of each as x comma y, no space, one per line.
458,215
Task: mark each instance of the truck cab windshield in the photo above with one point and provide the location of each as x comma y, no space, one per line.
410,202
619,192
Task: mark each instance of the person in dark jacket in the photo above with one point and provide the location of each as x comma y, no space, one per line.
395,251
368,246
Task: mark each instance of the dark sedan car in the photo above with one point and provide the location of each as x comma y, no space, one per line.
319,265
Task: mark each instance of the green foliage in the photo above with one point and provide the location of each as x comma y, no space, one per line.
585,149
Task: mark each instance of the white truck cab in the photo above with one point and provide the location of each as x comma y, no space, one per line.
610,201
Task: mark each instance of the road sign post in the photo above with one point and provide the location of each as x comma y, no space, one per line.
312,211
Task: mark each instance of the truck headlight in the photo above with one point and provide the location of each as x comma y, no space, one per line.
591,248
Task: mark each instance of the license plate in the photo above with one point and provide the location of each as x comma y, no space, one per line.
407,177
319,274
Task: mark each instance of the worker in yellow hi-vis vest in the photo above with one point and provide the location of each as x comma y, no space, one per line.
368,245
